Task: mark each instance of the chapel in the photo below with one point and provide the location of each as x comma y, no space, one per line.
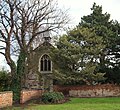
40,67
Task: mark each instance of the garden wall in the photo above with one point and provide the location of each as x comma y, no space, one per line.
105,90
6,99
27,95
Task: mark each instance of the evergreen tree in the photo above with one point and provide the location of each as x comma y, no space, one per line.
78,54
93,46
110,31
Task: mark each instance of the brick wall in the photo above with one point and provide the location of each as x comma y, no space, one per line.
27,95
105,90
6,99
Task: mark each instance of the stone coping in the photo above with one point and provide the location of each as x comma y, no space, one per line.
31,89
6,92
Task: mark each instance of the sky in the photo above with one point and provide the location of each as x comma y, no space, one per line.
79,8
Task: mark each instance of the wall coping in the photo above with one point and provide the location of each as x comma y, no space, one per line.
6,92
31,90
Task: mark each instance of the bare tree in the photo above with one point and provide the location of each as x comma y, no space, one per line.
22,21
35,15
7,9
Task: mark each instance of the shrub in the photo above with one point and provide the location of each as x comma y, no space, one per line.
4,80
52,97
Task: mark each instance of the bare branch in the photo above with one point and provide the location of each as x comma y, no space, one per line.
22,21
2,41
2,53
3,35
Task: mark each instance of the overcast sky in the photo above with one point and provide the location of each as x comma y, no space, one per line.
79,8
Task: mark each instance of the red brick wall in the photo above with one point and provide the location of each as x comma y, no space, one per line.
6,99
27,95
90,91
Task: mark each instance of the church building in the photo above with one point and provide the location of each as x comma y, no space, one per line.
40,67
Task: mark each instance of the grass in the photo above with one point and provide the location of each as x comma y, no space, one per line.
77,104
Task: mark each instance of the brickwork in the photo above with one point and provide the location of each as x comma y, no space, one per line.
27,95
6,99
105,90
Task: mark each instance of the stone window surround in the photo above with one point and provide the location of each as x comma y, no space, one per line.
39,66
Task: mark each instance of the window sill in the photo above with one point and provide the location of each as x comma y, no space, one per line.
45,72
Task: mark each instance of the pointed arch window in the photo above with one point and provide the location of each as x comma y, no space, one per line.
45,63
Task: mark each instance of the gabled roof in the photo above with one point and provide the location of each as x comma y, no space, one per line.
44,44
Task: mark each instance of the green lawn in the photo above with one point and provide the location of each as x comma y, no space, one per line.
78,104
